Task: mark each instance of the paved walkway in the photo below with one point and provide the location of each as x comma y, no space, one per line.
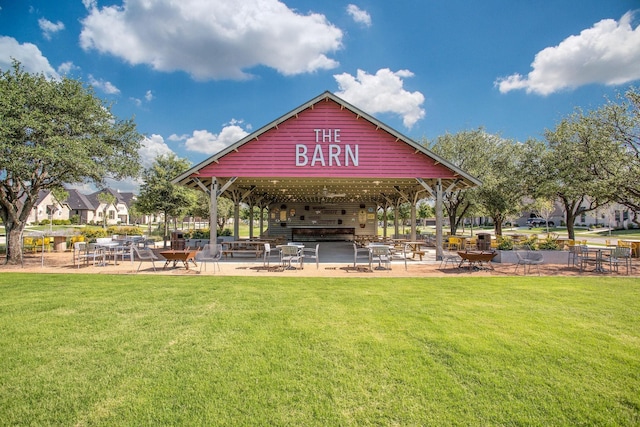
336,260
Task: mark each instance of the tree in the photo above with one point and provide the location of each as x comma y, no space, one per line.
544,208
496,162
55,132
107,199
568,168
462,150
425,211
225,212
501,192
621,122
159,195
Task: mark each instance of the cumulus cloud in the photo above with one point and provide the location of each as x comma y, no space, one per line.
29,56
360,16
48,28
151,148
67,67
148,96
212,40
382,93
106,87
203,141
607,53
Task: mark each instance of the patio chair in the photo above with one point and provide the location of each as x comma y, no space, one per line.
209,253
527,258
92,252
312,253
269,254
450,257
360,254
620,255
145,254
454,243
402,254
291,254
584,257
381,254
78,249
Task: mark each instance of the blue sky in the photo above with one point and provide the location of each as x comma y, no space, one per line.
198,75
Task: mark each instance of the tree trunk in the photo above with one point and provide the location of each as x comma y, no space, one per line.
571,218
14,243
497,224
165,232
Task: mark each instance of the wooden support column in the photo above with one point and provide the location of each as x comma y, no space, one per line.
439,220
213,212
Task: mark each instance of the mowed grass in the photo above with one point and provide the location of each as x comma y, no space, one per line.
157,350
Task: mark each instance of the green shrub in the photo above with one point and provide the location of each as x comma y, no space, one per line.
505,243
197,234
124,230
548,244
94,232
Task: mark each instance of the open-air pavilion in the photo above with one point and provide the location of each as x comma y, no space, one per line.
322,171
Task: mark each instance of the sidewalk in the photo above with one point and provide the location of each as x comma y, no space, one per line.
61,263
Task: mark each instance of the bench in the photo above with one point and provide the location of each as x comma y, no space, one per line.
256,252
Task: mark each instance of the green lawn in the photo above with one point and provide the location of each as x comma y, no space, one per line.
149,350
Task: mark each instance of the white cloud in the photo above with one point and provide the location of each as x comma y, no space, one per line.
90,4
382,93
148,96
106,87
213,40
29,56
360,16
607,53
203,141
48,28
151,148
67,67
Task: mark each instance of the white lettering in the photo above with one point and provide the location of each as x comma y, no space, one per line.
328,135
301,155
318,155
349,153
334,152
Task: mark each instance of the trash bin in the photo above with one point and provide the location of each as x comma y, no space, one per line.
177,240
484,241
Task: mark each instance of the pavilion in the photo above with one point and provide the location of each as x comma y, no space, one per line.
323,170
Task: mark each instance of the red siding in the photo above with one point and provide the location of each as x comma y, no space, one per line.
274,152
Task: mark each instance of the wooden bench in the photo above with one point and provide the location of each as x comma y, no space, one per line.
256,252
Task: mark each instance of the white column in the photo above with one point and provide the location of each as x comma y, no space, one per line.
213,212
439,220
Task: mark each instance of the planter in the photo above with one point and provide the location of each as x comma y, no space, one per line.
550,257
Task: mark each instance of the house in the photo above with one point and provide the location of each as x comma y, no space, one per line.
48,208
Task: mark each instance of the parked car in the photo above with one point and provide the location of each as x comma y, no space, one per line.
539,222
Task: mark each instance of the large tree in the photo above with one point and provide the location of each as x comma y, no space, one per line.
493,160
463,149
621,120
569,167
159,195
52,133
